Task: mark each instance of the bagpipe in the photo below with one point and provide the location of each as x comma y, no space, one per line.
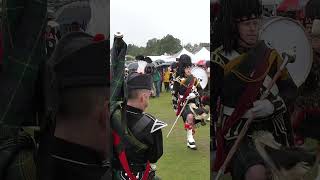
199,77
283,162
21,96
24,54
118,100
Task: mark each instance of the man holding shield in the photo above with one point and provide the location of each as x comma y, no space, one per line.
307,106
244,68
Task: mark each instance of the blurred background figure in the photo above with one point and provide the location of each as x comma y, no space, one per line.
166,79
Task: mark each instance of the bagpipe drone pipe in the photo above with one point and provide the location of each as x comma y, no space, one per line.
23,24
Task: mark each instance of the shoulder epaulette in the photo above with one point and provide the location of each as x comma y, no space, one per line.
157,124
216,57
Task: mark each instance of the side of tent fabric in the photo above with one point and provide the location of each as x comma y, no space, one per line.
203,54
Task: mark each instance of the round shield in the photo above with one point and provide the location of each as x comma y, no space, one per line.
288,36
201,75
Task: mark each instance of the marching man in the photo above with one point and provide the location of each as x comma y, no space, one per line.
188,106
244,68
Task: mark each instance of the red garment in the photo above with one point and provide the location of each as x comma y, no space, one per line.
289,5
249,95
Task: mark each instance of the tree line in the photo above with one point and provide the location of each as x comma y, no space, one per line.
156,47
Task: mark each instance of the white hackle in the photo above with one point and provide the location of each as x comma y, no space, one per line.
141,66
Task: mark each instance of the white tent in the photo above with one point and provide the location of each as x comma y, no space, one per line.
184,51
162,57
203,54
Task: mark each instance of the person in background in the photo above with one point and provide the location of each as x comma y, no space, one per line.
75,27
173,83
166,79
308,26
51,40
156,81
161,71
307,105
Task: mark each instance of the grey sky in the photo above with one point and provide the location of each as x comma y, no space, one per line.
141,20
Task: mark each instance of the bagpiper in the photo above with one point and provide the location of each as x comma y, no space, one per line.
188,104
243,69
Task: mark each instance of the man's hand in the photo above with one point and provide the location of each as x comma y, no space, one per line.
191,96
262,108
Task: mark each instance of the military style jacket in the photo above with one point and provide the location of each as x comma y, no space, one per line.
70,161
146,129
232,74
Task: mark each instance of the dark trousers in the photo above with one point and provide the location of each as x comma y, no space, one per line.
157,87
166,86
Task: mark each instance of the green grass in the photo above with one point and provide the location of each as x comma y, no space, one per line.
178,162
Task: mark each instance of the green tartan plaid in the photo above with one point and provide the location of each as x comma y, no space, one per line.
118,54
17,154
23,23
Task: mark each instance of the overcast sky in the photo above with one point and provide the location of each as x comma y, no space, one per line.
141,20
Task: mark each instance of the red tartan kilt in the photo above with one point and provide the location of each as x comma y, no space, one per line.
305,124
205,100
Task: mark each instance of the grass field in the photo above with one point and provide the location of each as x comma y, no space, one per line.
178,162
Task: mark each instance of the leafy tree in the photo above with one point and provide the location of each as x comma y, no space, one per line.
152,48
189,47
134,50
170,45
156,47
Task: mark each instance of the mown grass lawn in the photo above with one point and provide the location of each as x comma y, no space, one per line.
178,162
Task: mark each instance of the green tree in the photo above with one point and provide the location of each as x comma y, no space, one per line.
189,47
193,48
156,47
170,45
134,50
152,48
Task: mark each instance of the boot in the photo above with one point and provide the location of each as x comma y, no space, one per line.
190,140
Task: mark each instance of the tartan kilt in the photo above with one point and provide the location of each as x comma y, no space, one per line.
306,123
23,25
17,154
245,157
198,113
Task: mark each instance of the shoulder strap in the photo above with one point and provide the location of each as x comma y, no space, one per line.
124,161
185,95
141,124
244,103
